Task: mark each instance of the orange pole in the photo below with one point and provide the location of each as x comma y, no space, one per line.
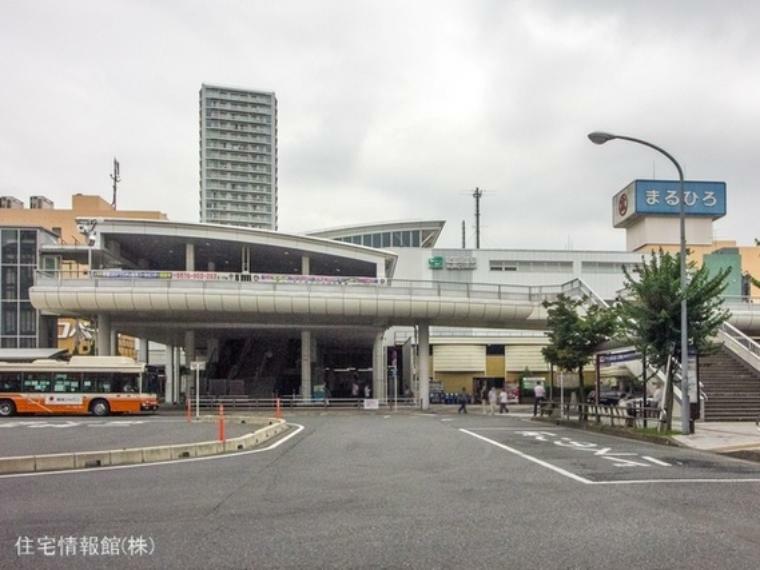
187,410
277,409
221,422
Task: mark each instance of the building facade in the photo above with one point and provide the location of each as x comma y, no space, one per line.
24,232
21,325
238,157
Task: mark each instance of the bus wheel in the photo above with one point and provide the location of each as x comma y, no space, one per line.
7,409
100,408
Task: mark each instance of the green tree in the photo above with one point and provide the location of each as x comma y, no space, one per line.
575,330
650,310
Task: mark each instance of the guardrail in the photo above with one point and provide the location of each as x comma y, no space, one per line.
285,282
736,339
634,414
232,403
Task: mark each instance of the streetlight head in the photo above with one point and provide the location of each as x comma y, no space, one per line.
599,137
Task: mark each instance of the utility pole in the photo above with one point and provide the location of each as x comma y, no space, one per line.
464,237
477,194
116,179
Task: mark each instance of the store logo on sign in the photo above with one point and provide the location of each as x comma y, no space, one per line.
623,205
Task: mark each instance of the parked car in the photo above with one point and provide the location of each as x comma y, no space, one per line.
607,397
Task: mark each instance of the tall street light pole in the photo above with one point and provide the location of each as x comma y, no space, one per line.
598,137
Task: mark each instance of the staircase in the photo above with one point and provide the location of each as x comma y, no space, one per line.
732,387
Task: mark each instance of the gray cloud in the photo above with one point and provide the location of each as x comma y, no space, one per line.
391,110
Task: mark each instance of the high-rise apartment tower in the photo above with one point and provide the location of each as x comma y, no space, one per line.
238,157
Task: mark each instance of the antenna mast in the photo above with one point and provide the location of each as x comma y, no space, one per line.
116,179
477,194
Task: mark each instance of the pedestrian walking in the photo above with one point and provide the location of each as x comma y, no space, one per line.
503,401
367,391
462,402
484,398
539,395
492,401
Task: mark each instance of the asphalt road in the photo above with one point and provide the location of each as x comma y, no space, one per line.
408,491
25,435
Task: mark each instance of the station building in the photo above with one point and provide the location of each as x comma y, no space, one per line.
378,305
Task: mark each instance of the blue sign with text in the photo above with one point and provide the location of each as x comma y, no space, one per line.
664,197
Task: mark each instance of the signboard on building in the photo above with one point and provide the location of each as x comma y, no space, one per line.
461,262
663,198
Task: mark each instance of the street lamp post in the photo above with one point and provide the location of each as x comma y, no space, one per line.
600,138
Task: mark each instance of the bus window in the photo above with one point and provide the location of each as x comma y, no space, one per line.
36,382
125,382
100,382
10,381
66,381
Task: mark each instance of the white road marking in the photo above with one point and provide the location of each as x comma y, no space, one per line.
540,462
275,445
506,428
656,461
447,420
646,481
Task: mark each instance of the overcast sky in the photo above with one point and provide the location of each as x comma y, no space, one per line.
392,109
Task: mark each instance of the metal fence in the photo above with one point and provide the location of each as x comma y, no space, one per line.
243,403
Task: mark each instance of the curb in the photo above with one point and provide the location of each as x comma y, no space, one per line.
152,454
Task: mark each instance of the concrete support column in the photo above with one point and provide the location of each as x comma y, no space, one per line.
104,335
380,273
189,352
189,257
305,265
169,372
379,379
245,259
306,364
177,376
143,354
423,364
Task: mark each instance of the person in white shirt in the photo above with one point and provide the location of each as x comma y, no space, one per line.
503,401
539,395
367,391
492,401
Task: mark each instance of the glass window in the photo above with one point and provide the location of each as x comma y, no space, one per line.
29,247
10,246
377,240
9,318
36,382
356,239
406,239
367,240
28,342
124,382
9,343
66,382
26,275
10,282
386,239
97,382
10,381
396,242
416,239
27,319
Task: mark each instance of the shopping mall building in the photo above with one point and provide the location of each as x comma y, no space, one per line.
378,305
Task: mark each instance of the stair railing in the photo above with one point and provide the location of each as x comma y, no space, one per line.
740,344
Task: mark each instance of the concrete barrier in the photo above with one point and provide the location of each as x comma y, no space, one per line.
209,448
157,453
23,464
54,462
126,456
92,459
184,451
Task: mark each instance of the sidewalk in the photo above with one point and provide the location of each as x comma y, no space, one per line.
724,437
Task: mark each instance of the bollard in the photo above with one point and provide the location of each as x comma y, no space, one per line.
187,410
221,422
277,409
